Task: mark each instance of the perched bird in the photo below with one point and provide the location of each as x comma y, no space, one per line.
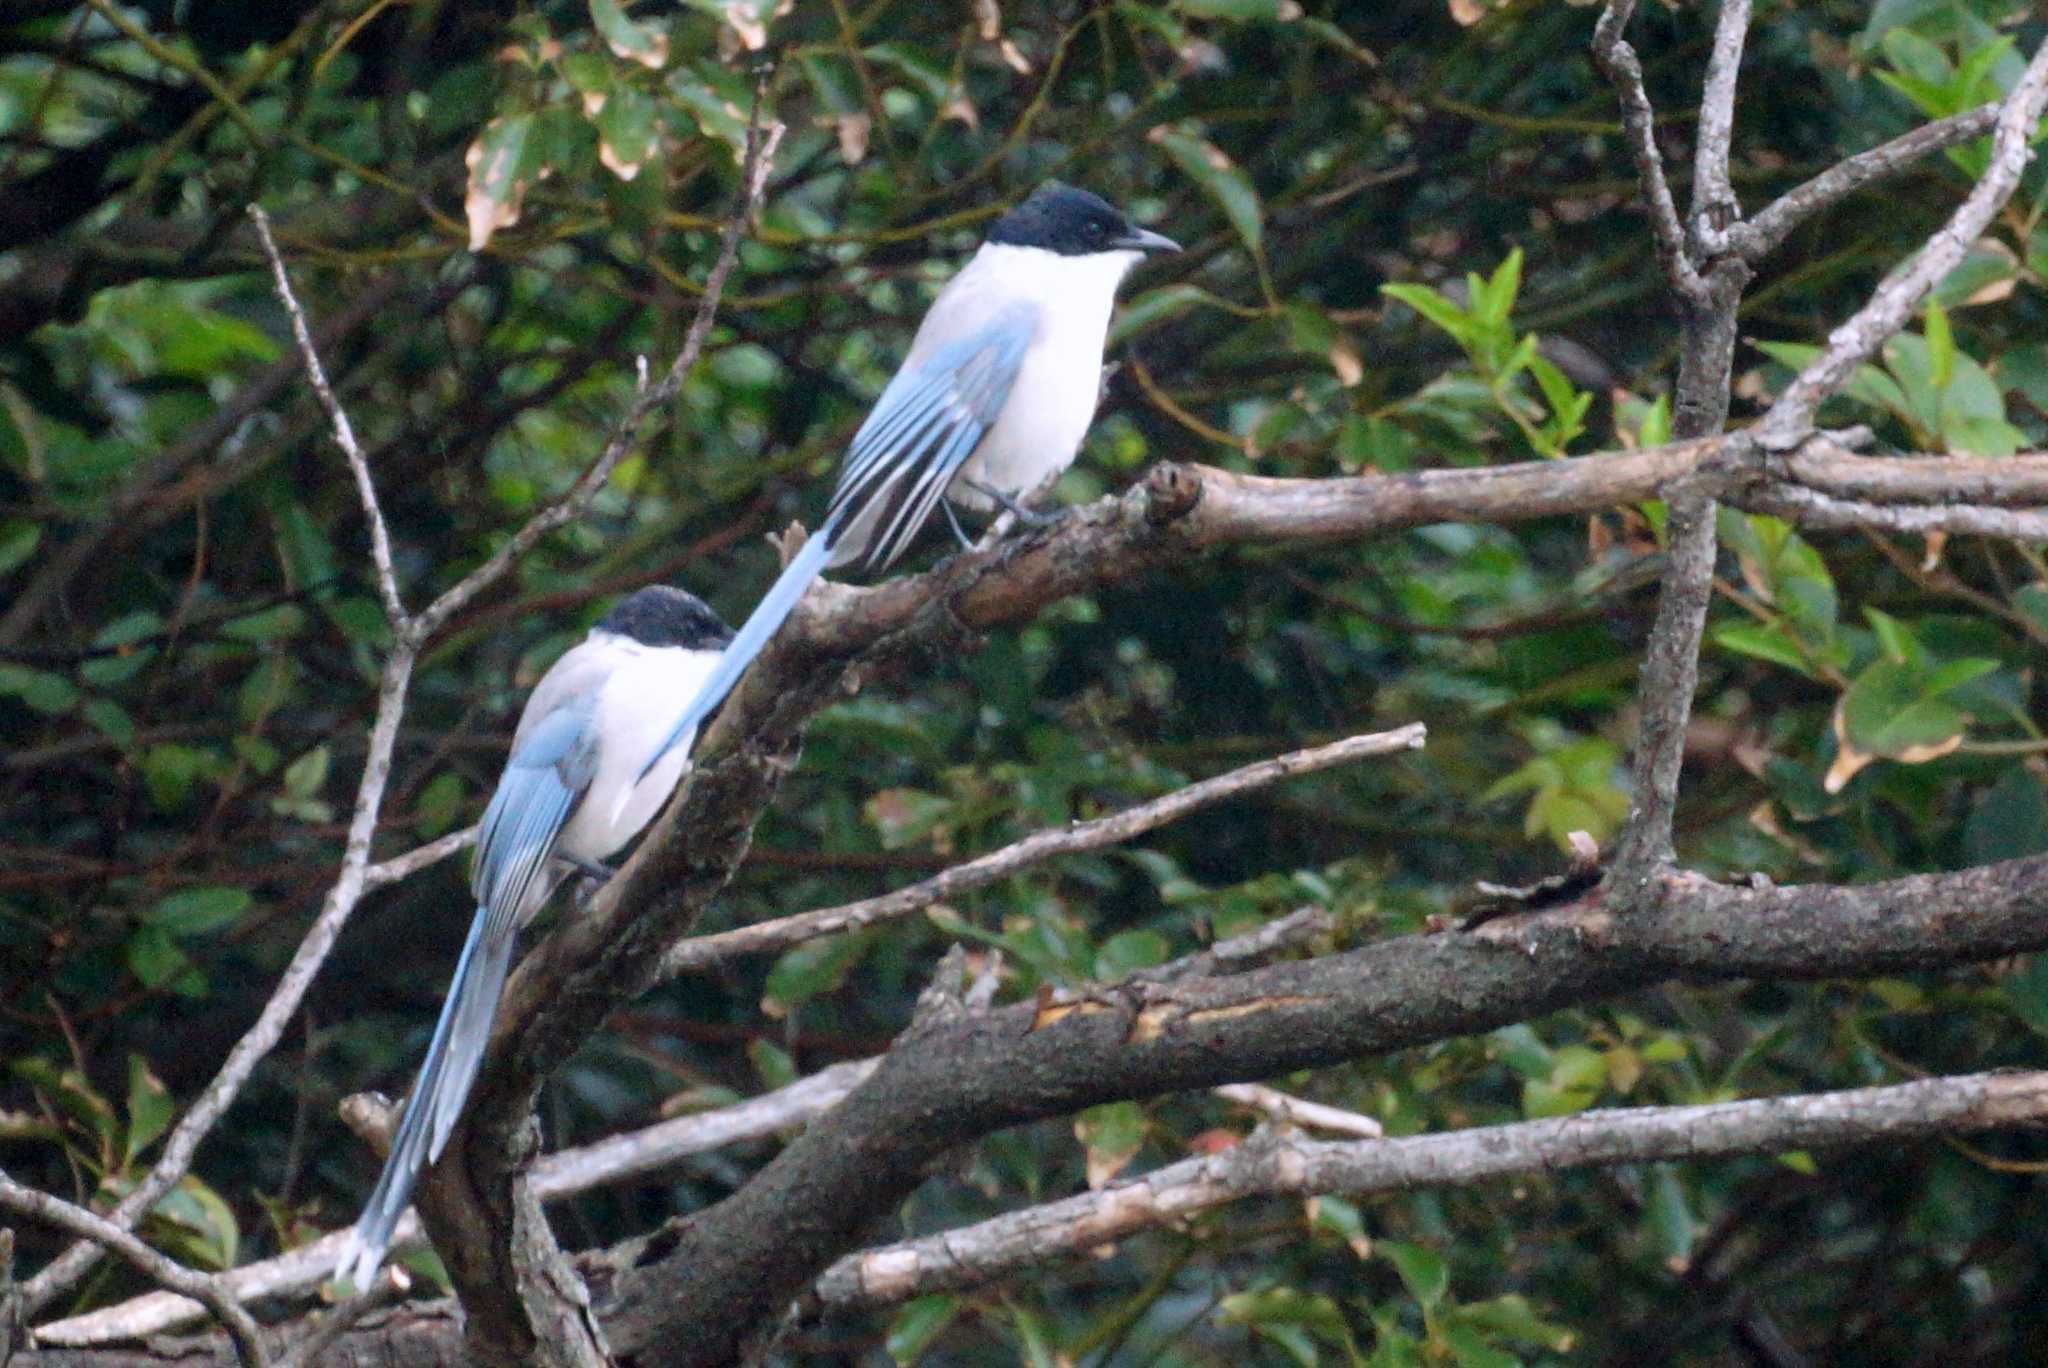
992,401
575,789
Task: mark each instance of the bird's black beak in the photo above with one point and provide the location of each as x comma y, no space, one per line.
1144,240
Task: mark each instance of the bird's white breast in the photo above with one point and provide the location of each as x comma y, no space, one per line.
635,707
1053,400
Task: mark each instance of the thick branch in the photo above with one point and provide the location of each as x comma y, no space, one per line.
783,932
1282,1166
958,1077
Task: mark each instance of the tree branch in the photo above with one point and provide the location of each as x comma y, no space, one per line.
736,1265
1291,1166
344,431
26,1201
521,1301
1791,418
1707,305
1714,205
963,1075
1618,63
784,932
617,1159
755,163
1765,233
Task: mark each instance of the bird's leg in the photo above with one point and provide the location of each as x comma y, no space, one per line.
954,520
1029,517
589,869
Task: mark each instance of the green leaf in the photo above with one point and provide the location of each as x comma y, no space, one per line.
1513,1317
439,805
2010,820
1205,164
307,775
635,41
1764,641
39,689
1670,1216
199,911
771,1062
1241,10
149,1108
18,541
1423,1271
626,132
2026,992
921,1321
1128,951
1470,1349
501,167
171,770
154,958
1112,1134
284,621
110,719
810,970
1437,309
1891,712
202,1228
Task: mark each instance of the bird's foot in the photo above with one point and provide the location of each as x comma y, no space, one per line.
1030,517
590,869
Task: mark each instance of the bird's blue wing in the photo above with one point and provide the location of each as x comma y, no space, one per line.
550,766
926,424
547,771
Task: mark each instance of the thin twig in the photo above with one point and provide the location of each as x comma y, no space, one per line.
1790,420
1764,233
1618,63
391,1284
783,932
176,1159
1279,1165
755,163
404,866
344,431
1810,508
1298,1111
351,881
615,1159
41,1206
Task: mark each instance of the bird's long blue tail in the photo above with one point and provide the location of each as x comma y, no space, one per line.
761,624
430,1113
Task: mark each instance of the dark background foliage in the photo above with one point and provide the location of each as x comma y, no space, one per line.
189,634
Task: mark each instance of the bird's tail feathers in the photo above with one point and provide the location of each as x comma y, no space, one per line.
436,1101
754,634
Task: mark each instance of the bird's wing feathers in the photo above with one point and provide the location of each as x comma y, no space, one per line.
925,425
551,763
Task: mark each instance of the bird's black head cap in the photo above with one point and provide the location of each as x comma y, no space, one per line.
1071,222
663,616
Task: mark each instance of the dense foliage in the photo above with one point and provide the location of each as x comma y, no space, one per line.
1413,243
